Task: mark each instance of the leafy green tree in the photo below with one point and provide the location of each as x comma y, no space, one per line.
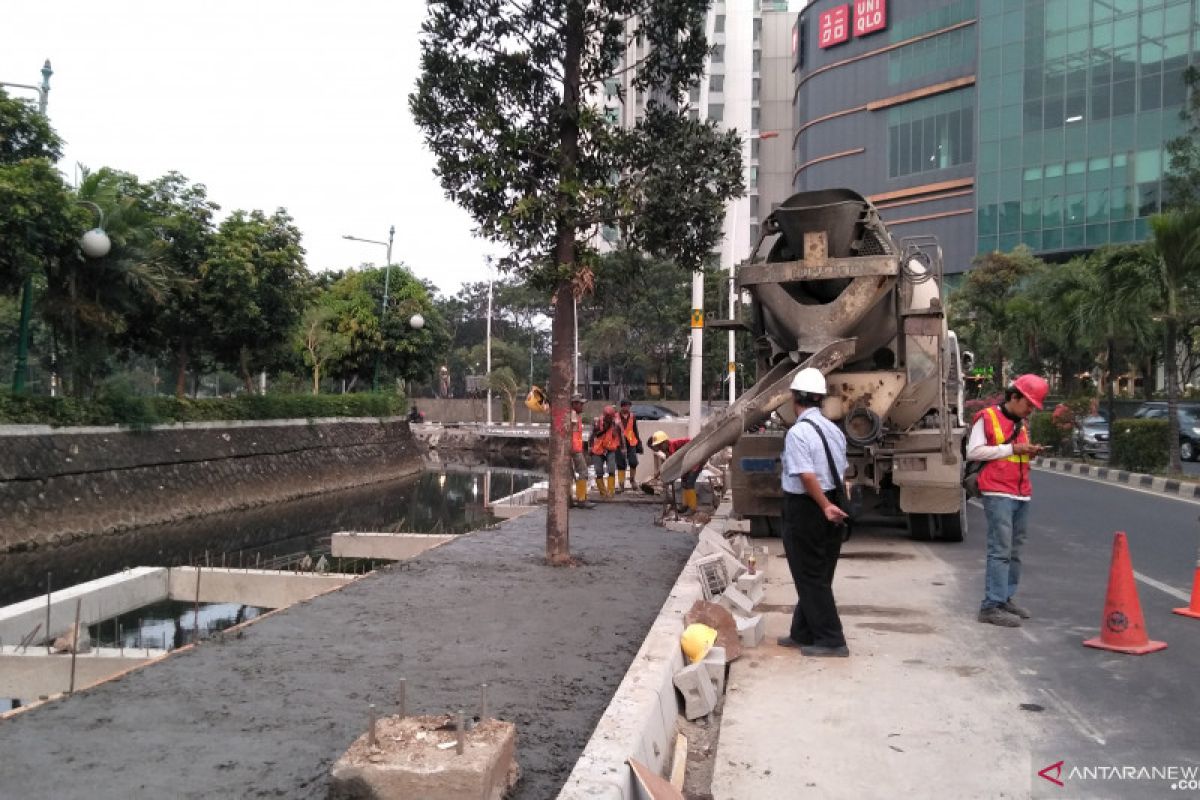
503,102
251,290
982,306
90,302
25,133
1176,239
1114,301
504,382
173,327
318,342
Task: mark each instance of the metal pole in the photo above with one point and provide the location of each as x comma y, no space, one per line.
75,648
696,384
575,313
49,636
372,740
483,701
460,724
403,698
196,609
489,348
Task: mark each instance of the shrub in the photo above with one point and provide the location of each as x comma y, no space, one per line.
1140,445
973,407
113,406
1045,430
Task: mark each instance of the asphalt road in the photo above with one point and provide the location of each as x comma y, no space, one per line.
1097,708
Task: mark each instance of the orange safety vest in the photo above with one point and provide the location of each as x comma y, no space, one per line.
629,428
605,441
577,433
1008,475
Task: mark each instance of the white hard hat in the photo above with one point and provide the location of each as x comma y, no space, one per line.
809,380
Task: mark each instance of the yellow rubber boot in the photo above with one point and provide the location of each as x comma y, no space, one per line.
612,485
581,491
620,480
600,486
689,500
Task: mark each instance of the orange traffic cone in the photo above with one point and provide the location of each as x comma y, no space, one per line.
1122,629
1193,609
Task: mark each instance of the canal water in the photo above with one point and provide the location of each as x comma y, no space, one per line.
448,499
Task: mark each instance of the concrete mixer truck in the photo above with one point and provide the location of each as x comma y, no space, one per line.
831,288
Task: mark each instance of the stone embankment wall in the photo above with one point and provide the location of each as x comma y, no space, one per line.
60,486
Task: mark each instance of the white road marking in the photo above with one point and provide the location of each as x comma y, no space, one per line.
1162,587
1142,490
1072,714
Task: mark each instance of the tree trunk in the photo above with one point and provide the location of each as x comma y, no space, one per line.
181,365
558,547
1170,363
244,368
316,378
1111,346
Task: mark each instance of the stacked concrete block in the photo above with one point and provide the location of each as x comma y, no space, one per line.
696,686
751,630
753,586
715,662
737,602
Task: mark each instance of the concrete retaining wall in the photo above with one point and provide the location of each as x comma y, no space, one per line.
251,587
64,485
101,599
385,546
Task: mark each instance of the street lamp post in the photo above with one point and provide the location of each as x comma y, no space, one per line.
387,280
22,365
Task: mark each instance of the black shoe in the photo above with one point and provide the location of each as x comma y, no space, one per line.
821,651
998,616
584,504
1013,608
787,641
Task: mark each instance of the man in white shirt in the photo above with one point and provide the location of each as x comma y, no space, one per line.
813,524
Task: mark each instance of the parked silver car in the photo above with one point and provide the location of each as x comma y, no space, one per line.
1091,437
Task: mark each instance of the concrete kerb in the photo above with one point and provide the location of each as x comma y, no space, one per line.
1137,480
640,719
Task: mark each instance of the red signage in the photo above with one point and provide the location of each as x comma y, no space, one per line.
833,26
869,16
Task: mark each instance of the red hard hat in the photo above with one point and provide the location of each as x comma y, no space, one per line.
1033,387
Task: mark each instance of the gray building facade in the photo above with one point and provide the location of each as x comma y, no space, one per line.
885,104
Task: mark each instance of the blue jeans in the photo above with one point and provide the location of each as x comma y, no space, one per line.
1005,536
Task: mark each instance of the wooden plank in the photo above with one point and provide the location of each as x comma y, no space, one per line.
654,785
824,269
679,761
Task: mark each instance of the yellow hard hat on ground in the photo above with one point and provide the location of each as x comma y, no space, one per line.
657,438
696,641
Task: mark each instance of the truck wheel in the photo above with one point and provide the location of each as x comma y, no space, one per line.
766,527
953,526
922,527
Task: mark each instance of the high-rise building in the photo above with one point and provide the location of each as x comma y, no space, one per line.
728,93
993,123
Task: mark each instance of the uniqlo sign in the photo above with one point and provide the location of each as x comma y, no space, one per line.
869,16
833,26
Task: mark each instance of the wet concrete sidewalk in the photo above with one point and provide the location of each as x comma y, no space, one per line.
924,706
266,714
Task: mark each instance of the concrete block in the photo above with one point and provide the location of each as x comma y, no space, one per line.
753,586
733,566
699,695
736,601
751,630
715,662
415,757
712,537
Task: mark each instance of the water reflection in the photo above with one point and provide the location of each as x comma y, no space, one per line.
446,499
169,624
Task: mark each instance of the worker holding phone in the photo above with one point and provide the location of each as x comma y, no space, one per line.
1000,437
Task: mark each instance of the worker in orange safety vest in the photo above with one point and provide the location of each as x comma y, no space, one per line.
606,438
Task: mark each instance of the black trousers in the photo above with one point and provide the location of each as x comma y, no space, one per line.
812,545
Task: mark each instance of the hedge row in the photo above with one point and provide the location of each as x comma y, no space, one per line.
120,409
1140,445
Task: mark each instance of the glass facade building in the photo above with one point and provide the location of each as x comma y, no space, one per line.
1077,100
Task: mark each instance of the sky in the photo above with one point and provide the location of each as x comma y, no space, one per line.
299,104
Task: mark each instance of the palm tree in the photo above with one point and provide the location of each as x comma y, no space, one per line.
1176,242
1114,298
